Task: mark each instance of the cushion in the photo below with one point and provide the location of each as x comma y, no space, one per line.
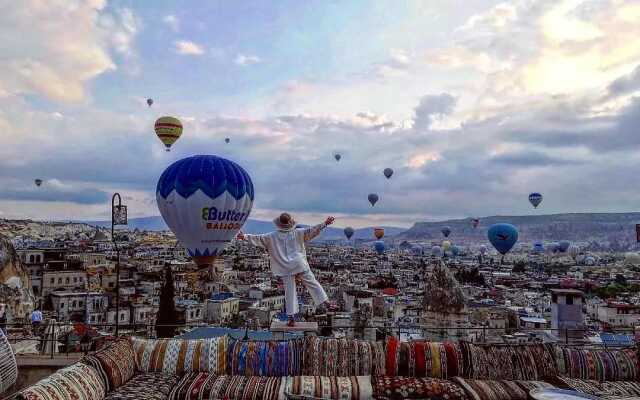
603,389
78,382
180,356
342,357
204,386
479,389
518,362
423,359
265,358
330,387
146,386
396,387
598,364
116,363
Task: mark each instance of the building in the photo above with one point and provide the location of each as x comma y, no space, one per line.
63,281
567,319
76,306
619,315
222,307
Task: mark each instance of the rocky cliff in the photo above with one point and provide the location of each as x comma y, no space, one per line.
15,285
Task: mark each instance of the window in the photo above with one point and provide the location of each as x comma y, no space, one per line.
53,280
61,305
67,280
75,279
554,298
59,281
31,259
80,303
121,317
569,299
74,304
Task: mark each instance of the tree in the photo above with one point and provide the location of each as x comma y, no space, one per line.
167,310
519,267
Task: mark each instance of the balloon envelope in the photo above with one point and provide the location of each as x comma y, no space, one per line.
373,199
388,172
436,251
379,247
502,237
446,231
337,156
446,245
149,102
535,199
348,232
38,182
455,250
227,140
205,200
563,246
538,247
475,222
378,233
168,130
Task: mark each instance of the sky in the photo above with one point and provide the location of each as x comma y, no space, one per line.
473,103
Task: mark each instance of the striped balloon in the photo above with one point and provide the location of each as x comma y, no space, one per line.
168,130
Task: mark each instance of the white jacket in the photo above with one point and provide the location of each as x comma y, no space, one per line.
286,248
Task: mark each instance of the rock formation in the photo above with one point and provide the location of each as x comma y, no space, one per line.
15,285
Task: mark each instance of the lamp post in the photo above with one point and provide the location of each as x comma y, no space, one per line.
118,217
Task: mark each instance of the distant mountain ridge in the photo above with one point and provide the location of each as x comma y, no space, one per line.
253,226
609,227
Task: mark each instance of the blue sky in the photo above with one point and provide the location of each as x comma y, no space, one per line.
473,103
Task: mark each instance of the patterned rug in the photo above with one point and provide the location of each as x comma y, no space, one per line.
78,381
397,388
331,388
598,364
203,386
519,362
423,359
603,389
342,357
147,386
115,363
265,358
478,389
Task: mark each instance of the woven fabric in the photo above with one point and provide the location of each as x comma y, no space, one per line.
179,356
115,363
520,362
330,387
204,386
268,358
147,386
395,387
478,389
76,382
342,357
423,359
598,364
603,389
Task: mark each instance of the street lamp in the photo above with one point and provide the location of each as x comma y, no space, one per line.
118,217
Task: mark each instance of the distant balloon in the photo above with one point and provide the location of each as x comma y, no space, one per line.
446,245
227,140
589,260
168,130
373,199
538,247
149,102
348,232
475,222
205,200
502,237
455,250
379,247
337,156
563,246
378,233
436,251
535,199
446,231
38,182
388,172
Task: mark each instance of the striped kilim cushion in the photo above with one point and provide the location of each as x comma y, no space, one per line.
146,386
116,363
342,357
498,390
204,386
179,356
330,387
518,362
265,358
603,389
598,364
76,382
400,388
423,359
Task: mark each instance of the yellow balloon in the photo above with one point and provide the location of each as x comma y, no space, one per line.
446,245
168,130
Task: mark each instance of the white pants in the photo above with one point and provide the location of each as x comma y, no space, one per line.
313,286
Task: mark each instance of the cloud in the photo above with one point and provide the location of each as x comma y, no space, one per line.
70,45
530,159
55,193
245,60
626,84
432,107
188,48
172,22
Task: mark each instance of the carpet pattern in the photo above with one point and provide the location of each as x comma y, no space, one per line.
397,388
330,387
598,364
205,386
147,386
76,382
479,389
115,363
342,357
517,362
423,359
265,358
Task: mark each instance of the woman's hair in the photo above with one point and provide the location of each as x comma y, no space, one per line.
285,218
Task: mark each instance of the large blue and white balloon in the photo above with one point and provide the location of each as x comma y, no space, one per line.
502,237
535,199
205,200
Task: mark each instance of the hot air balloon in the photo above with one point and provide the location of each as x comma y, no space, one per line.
388,172
502,237
455,250
205,200
535,199
446,245
227,140
563,246
38,182
538,247
475,222
436,251
149,102
379,247
168,130
348,232
378,233
446,231
373,199
337,156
